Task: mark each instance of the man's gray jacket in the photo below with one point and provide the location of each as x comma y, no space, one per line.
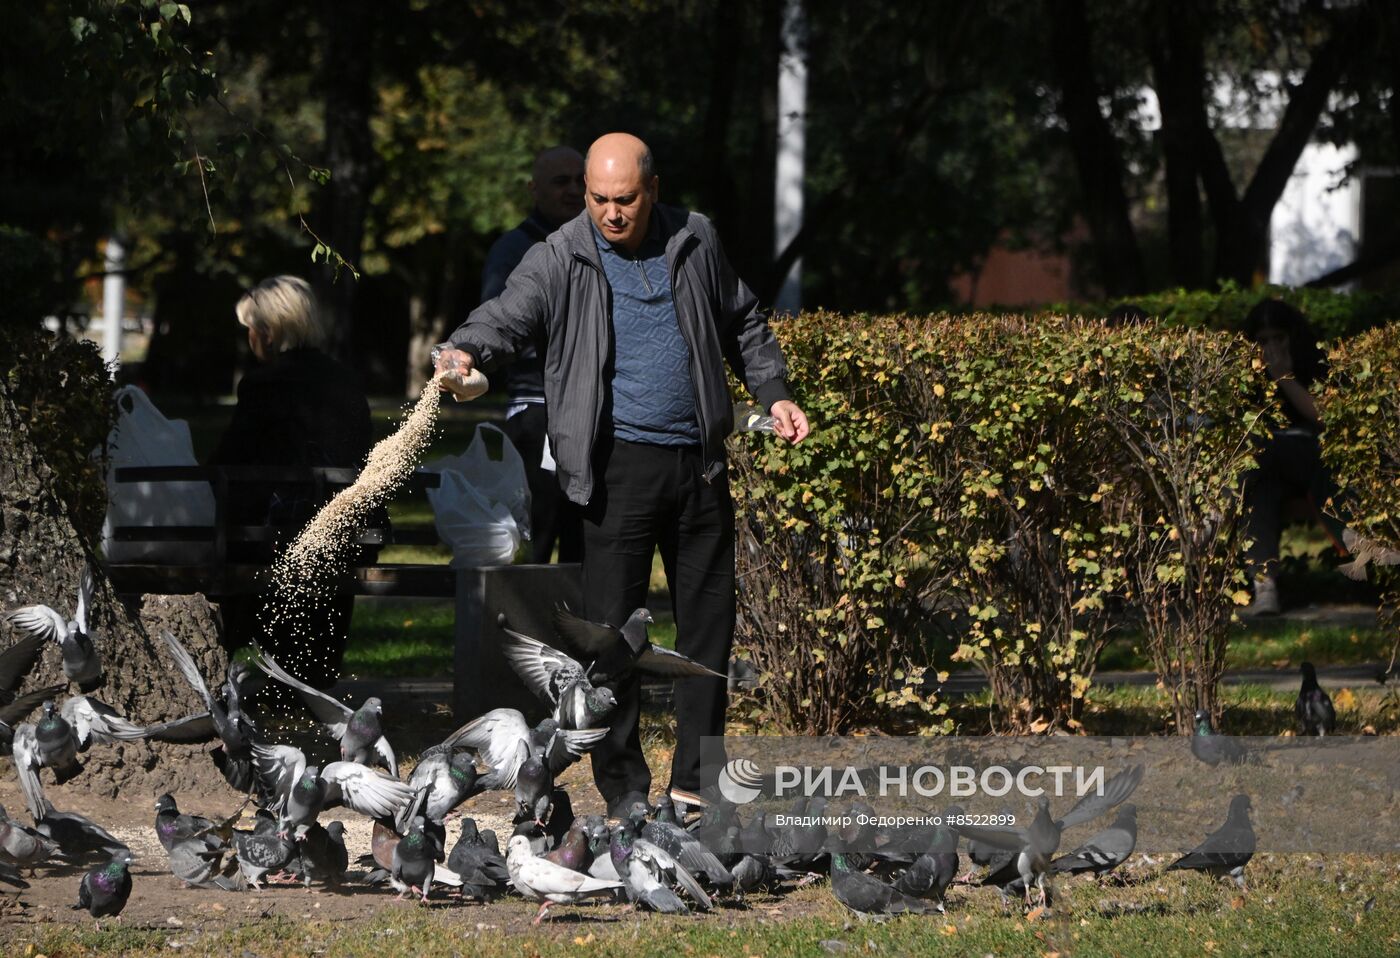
559,298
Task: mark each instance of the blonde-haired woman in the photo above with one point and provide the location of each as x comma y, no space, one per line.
297,407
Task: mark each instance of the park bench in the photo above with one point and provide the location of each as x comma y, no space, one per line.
485,597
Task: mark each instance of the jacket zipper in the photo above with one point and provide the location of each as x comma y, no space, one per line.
694,381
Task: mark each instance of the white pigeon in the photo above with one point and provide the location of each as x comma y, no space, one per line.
541,880
81,662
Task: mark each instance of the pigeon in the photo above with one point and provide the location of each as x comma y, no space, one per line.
104,890
173,826
573,850
225,718
1365,551
320,854
1106,850
559,680
681,845
618,652
1036,845
867,895
18,709
301,792
649,872
1314,710
16,662
481,868
496,736
1226,850
78,837
11,876
359,731
1211,747
929,875
412,867
21,846
82,664
197,864
451,776
261,852
548,883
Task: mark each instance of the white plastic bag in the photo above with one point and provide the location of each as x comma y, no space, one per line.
144,437
482,506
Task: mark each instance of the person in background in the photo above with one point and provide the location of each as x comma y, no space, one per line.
556,186
297,407
1290,461
639,310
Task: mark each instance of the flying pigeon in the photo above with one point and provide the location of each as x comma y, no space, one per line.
359,731
197,864
450,776
649,872
18,709
16,662
496,736
867,895
81,662
1106,850
104,891
1365,551
559,680
1226,850
1314,710
78,837
620,651
548,883
301,792
225,718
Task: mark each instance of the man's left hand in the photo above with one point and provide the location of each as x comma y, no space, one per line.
789,421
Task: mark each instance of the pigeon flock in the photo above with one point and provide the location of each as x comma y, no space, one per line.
653,859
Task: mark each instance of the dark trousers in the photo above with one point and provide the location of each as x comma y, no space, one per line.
1290,466
553,518
647,497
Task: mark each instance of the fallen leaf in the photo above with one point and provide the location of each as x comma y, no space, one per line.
1344,700
949,929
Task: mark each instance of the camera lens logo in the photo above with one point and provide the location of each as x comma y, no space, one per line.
740,781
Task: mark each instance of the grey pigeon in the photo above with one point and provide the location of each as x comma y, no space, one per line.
574,849
481,868
1106,850
681,845
197,864
78,837
651,873
225,718
173,826
321,855
16,662
867,895
359,731
1225,851
1314,710
533,784
560,680
548,883
1211,747
261,852
450,776
22,846
301,792
413,865
104,890
11,876
18,709
618,652
497,735
81,662
929,875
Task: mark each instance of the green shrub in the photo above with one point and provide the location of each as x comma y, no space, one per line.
1360,407
986,489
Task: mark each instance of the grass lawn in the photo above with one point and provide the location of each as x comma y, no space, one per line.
1297,905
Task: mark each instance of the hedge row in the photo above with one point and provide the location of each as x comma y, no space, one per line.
994,488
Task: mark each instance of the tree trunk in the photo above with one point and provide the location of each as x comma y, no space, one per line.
1096,156
1178,64
41,561
348,26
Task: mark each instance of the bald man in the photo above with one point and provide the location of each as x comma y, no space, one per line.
640,309
556,187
